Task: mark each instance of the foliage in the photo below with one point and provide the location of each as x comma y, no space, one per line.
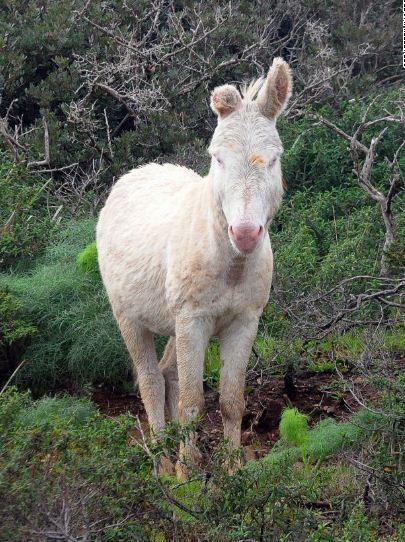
294,427
16,331
25,226
328,228
13,328
327,437
60,456
87,259
77,340
97,112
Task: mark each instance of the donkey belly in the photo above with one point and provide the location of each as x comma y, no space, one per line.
135,282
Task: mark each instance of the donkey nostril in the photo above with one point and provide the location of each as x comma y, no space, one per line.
260,229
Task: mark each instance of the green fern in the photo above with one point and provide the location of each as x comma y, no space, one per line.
327,437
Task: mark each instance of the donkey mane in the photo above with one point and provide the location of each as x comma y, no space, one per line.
249,91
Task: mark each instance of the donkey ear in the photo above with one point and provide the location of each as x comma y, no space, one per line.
225,100
276,90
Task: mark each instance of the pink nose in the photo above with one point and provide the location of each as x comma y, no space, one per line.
246,235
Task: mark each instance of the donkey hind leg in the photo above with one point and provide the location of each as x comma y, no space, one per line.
139,342
168,367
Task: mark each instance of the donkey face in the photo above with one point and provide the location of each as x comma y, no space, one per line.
246,151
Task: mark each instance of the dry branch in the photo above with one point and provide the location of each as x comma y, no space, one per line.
11,139
47,160
315,316
363,172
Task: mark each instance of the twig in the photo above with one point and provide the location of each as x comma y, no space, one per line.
12,376
162,488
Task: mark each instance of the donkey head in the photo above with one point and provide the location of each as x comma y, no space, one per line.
246,151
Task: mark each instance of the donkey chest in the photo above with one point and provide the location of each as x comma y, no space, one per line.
222,291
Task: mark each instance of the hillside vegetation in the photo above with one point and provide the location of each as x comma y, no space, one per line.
89,90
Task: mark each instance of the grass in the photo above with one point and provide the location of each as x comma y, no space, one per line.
212,368
394,340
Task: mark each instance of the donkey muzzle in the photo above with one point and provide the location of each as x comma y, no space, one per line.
246,236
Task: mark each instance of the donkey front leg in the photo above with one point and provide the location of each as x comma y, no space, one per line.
235,343
192,336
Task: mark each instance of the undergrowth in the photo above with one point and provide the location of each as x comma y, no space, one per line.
77,340
60,456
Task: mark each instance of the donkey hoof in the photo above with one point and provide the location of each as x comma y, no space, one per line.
181,471
189,459
166,467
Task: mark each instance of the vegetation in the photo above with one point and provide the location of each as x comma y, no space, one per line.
66,468
90,90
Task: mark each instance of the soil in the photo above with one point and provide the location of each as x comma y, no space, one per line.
311,393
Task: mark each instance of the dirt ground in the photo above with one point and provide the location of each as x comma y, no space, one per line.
312,393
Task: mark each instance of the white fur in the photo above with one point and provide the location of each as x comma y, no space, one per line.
170,266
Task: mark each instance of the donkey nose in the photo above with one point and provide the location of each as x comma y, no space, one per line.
246,236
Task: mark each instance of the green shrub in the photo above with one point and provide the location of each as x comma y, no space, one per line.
52,411
13,327
60,452
16,332
25,225
87,259
326,438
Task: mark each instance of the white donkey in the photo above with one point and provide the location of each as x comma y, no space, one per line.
190,258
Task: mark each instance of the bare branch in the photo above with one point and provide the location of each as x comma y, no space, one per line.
343,134
318,315
363,172
13,143
46,161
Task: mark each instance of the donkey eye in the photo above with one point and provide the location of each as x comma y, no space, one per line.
272,162
219,160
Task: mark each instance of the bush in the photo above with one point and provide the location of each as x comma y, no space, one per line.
87,260
25,227
78,341
294,427
60,456
16,332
